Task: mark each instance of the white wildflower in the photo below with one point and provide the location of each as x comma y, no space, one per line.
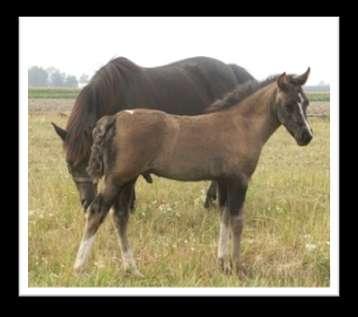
311,247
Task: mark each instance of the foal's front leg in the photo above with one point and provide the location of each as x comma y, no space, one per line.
236,198
95,214
224,233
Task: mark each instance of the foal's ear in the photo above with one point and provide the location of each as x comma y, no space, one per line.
300,80
62,133
282,81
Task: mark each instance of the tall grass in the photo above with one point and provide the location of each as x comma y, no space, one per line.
285,239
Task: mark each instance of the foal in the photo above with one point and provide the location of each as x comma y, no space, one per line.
140,141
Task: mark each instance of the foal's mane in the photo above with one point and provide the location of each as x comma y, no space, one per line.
240,93
92,103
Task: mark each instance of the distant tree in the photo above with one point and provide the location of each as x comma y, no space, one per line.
71,81
37,77
50,71
84,79
57,79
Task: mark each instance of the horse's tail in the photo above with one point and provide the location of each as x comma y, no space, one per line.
102,133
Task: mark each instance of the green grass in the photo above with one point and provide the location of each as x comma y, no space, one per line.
65,93
285,241
318,96
53,93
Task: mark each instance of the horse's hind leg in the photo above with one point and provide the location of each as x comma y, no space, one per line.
120,218
95,215
211,194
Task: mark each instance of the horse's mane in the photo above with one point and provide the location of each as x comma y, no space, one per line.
94,101
240,93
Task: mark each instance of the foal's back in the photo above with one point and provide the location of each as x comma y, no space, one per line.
185,148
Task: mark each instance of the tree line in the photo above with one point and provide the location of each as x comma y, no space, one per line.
52,77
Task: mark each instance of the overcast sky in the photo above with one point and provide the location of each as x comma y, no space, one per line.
264,46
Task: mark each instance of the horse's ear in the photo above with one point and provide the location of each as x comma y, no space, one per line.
62,133
301,79
282,81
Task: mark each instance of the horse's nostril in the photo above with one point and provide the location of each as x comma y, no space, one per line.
84,203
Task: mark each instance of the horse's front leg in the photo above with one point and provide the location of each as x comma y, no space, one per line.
95,214
211,194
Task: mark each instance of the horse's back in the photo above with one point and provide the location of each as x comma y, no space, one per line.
189,85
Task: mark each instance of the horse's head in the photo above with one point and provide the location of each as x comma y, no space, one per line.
85,185
291,104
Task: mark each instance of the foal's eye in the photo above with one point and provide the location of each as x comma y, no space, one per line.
290,107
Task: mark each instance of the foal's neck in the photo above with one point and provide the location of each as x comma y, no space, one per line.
259,111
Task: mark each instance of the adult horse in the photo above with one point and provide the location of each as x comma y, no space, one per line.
185,87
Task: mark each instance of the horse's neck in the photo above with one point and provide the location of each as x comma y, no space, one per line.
258,111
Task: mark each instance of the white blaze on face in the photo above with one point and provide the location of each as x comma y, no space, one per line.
300,104
129,111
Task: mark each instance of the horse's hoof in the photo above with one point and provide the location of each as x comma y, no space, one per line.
208,204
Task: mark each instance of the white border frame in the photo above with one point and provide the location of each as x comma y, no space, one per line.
24,290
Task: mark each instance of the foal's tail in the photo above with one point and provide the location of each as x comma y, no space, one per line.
102,133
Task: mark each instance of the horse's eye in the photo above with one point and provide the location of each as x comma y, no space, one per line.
69,166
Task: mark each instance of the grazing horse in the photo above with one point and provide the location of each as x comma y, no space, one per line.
185,87
216,146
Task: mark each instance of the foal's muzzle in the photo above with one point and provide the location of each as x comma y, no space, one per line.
304,137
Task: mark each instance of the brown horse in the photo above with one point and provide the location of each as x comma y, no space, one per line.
216,146
186,87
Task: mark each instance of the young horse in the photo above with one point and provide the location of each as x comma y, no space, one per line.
185,87
223,145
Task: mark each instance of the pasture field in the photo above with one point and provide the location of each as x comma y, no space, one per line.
70,93
53,93
285,242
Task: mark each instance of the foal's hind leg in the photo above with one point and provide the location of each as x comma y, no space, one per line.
211,194
132,201
120,219
95,215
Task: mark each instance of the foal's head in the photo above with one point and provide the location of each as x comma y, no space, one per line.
291,105
84,183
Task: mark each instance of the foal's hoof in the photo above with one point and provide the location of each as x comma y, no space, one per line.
225,265
130,270
78,269
135,273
